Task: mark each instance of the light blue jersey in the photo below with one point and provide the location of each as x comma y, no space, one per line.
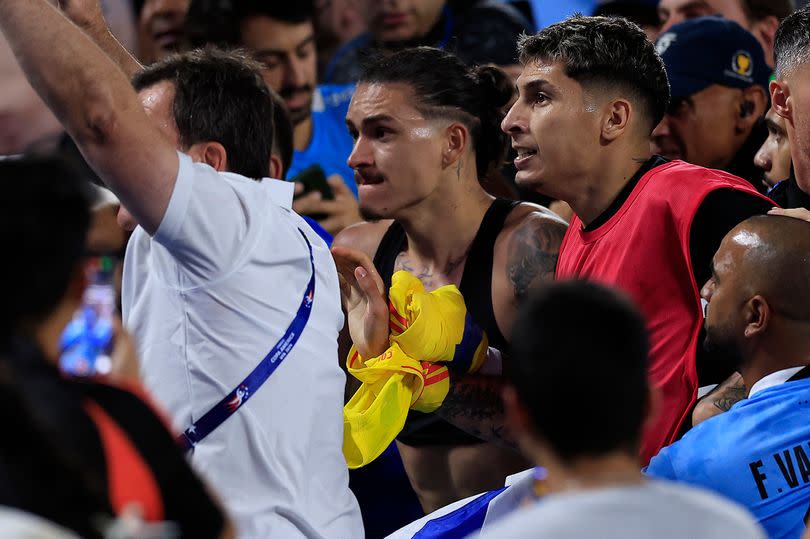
331,143
757,453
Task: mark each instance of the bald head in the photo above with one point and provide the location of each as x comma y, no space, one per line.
771,255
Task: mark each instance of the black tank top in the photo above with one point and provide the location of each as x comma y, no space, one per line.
476,287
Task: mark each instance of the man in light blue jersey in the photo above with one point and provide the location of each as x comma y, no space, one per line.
281,36
757,453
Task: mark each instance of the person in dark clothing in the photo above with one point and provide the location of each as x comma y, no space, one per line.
426,130
78,452
719,82
479,32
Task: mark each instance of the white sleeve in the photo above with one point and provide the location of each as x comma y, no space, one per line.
210,222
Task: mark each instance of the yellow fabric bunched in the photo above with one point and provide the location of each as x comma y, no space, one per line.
428,331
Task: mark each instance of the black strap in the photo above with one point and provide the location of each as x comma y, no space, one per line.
476,282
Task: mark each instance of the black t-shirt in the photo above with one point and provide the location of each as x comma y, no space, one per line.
52,462
720,211
787,194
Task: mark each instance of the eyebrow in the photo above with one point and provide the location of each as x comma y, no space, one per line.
377,118
774,127
281,52
537,85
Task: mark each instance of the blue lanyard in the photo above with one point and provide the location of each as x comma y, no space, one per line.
228,406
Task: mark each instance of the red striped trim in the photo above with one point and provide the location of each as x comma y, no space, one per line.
438,378
353,358
398,317
393,325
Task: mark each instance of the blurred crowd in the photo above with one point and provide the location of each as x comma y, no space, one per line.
405,268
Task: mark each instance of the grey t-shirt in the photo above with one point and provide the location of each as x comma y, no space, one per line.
655,509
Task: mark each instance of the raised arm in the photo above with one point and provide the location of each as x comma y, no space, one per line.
88,16
95,102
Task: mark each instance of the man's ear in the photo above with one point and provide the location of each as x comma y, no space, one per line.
211,153
780,100
753,106
457,138
616,119
517,417
276,167
757,315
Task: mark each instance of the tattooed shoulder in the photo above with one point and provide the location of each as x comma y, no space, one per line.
532,252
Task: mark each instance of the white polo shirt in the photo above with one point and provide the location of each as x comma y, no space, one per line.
206,299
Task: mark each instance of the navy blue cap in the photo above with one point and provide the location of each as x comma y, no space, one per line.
711,50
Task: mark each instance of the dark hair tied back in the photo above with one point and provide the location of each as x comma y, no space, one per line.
445,87
496,90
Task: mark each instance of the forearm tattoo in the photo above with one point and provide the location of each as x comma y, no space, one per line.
475,406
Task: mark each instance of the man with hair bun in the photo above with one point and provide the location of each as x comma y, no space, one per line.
426,131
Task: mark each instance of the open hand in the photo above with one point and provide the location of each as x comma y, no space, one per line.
362,292
340,212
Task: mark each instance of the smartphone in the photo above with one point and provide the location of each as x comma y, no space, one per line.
314,179
87,341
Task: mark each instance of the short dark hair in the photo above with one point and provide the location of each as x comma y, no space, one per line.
219,96
218,22
446,88
586,337
44,216
609,51
792,42
756,10
283,144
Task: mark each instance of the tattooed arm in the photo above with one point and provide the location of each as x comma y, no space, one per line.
721,399
475,406
533,251
474,402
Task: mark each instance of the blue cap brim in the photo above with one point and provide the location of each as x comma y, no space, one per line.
684,85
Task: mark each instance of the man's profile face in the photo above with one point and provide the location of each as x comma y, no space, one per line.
774,155
797,81
402,20
288,52
672,12
397,154
554,126
161,28
724,294
701,129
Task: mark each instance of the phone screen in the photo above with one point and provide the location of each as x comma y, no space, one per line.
87,340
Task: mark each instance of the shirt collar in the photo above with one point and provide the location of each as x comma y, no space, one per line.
281,192
773,379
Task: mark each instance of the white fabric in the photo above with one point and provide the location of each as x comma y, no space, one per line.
655,509
773,379
206,299
22,525
520,487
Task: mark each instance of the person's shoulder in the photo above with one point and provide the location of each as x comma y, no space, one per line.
365,236
700,504
527,219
